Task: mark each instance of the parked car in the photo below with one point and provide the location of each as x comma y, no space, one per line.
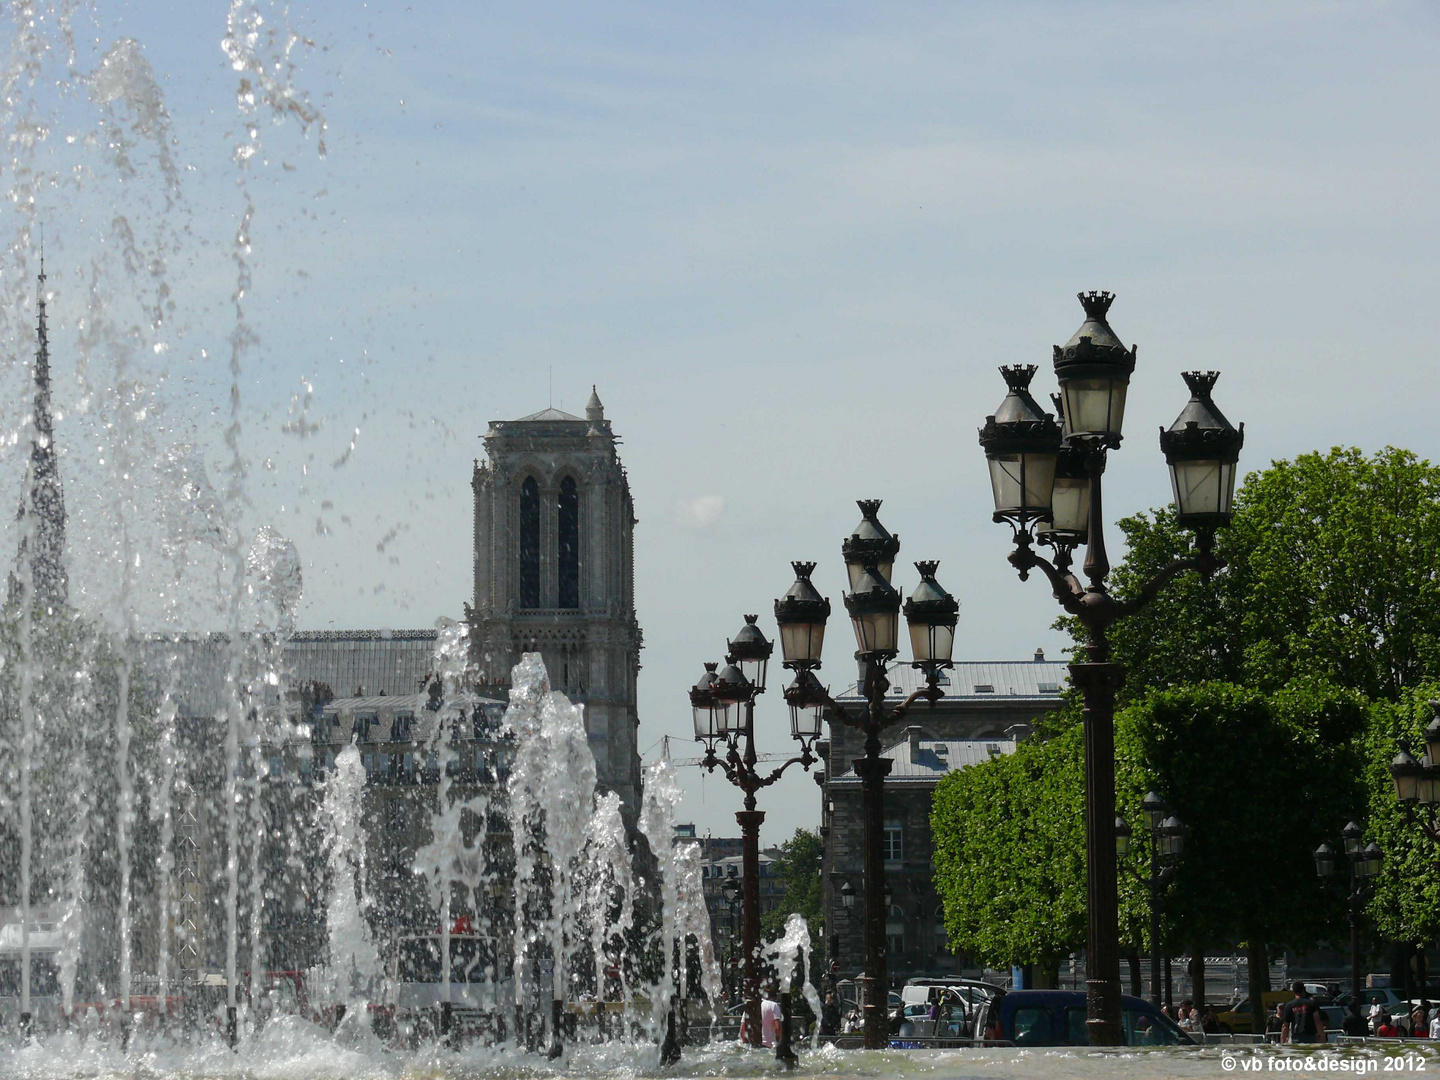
1238,1018
962,996
1057,1018
1389,998
1334,1018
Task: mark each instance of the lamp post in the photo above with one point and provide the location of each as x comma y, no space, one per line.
731,890
1417,789
1167,841
1365,860
874,608
1417,783
1036,469
723,707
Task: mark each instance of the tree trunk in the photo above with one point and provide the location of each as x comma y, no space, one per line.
1197,976
1133,955
1259,973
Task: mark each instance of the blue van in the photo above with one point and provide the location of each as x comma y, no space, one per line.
1057,1018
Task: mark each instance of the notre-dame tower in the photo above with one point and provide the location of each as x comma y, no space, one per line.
555,574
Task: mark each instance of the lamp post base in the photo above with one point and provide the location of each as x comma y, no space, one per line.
750,821
1097,683
670,1048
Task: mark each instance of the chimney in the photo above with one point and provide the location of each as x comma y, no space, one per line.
1039,656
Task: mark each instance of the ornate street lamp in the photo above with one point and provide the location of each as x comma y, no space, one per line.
801,615
847,896
750,650
1069,518
1022,442
874,608
871,544
1405,774
1093,369
1152,808
702,707
1202,449
931,613
1167,841
1364,866
723,705
1171,835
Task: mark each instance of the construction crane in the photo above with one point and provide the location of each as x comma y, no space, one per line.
679,762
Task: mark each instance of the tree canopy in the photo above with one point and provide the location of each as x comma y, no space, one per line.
1260,779
1406,903
798,867
1009,852
1333,572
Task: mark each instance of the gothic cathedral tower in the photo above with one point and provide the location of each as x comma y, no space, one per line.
555,573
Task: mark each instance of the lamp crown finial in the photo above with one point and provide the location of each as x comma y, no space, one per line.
751,620
927,567
1200,382
1018,376
869,507
711,666
803,570
1096,304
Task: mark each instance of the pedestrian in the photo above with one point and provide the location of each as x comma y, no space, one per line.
1189,1017
1275,1022
1354,1023
1209,1022
830,1015
1301,1019
1385,1027
1435,1024
769,1016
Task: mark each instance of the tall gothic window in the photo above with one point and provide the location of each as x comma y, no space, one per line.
569,543
529,543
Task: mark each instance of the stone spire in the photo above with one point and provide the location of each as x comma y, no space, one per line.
594,411
42,504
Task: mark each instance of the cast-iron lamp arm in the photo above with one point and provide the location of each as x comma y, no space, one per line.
930,692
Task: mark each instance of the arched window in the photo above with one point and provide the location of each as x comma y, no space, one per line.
569,543
529,543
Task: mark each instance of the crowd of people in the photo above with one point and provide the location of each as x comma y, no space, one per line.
1301,1020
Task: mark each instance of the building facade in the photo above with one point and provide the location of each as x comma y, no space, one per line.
554,574
987,709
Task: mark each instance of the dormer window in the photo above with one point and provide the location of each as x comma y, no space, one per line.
984,688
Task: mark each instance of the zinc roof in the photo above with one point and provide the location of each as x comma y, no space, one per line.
1038,679
932,759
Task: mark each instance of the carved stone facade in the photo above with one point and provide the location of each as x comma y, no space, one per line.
555,574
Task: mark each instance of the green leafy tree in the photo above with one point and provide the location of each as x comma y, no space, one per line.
1009,843
798,866
1260,779
1406,902
1334,571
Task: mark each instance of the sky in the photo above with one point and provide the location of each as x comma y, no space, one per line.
789,244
